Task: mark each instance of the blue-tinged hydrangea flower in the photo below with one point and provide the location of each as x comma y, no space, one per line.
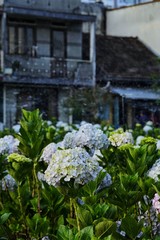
106,182
48,151
70,164
119,139
156,203
8,182
88,136
69,140
154,171
4,147
43,238
46,238
16,128
40,176
8,144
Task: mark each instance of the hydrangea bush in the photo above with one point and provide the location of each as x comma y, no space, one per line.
79,182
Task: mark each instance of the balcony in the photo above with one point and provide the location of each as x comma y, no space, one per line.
48,71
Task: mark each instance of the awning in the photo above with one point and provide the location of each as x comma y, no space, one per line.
49,14
136,93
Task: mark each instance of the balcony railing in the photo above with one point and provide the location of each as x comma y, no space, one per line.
74,71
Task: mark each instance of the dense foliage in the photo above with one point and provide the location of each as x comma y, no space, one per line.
79,182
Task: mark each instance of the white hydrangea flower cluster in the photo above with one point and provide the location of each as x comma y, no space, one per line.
88,136
76,157
70,164
119,139
158,144
147,128
66,126
154,171
139,139
8,144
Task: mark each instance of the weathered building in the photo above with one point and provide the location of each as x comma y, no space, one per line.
45,56
129,74
41,56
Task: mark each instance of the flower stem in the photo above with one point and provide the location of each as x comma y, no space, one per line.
37,188
76,214
71,208
21,208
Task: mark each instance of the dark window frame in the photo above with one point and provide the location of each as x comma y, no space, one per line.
16,44
16,24
64,31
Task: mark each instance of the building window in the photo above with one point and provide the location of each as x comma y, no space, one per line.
50,43
39,42
21,40
58,44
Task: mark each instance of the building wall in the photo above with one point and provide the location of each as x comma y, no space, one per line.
95,9
50,101
116,3
11,106
1,104
140,21
54,5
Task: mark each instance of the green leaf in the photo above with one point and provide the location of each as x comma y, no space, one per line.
72,222
157,238
4,217
65,233
105,228
85,234
91,187
60,220
131,166
84,216
131,227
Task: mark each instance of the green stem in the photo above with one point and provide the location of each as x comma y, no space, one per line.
76,214
71,208
1,200
37,188
21,208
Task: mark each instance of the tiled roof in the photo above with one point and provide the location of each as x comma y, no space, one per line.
123,57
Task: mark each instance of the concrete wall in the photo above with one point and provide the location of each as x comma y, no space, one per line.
142,21
11,106
55,5
95,9
1,2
